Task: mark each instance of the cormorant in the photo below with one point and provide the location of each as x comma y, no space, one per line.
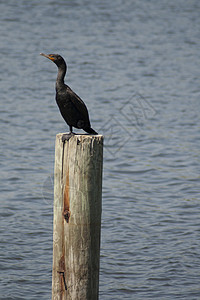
72,107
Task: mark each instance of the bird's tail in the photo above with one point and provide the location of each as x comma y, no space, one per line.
90,130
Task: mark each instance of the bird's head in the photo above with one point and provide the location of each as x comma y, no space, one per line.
56,58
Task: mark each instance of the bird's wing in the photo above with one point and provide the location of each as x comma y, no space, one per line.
78,103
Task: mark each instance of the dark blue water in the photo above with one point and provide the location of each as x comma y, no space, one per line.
136,65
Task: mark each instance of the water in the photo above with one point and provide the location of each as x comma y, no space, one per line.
136,65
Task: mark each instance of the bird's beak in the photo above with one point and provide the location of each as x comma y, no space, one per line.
47,56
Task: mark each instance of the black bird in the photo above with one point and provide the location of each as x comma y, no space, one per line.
72,108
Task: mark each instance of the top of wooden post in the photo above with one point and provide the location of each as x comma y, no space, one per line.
82,137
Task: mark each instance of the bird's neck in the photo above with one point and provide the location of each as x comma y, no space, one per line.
61,74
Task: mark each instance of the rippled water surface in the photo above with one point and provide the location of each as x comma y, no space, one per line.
136,65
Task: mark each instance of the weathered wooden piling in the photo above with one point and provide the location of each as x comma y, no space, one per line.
77,217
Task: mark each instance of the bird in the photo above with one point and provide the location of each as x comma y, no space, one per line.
71,106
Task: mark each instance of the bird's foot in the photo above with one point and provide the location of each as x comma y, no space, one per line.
67,136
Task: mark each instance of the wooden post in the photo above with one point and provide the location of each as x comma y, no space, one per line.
77,217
